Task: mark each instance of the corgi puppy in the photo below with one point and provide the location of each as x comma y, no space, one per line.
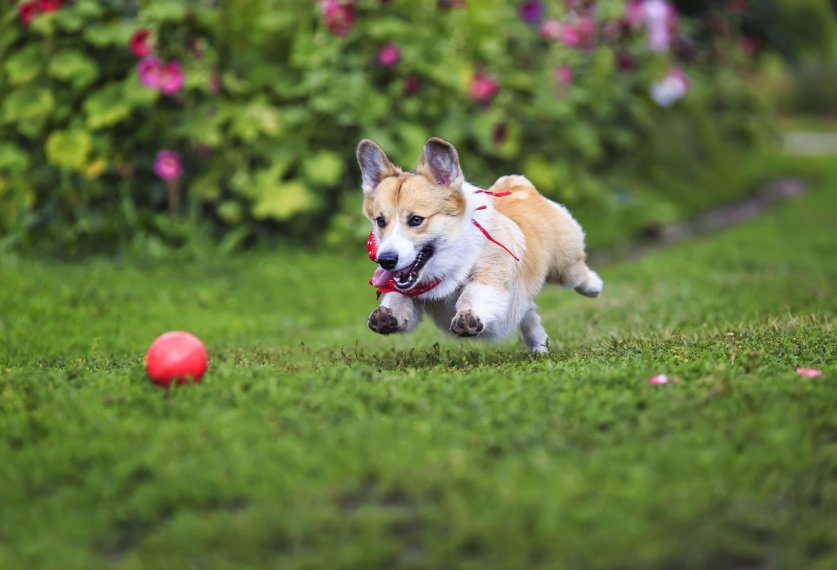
473,260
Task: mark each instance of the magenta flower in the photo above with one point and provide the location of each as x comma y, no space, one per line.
587,31
339,17
140,43
551,30
809,372
581,33
27,11
659,379
625,61
483,87
673,87
149,69
564,75
531,11
570,36
412,84
167,165
171,78
635,13
389,54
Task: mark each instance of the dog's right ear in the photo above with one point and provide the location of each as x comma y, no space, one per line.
374,164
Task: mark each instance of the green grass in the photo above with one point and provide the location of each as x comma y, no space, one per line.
313,443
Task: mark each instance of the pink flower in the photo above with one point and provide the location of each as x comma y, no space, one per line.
564,75
570,36
673,87
809,372
167,165
580,34
139,43
27,11
389,54
587,31
171,78
634,13
149,70
339,18
483,87
47,6
659,379
551,30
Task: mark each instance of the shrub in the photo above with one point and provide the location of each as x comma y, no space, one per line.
163,122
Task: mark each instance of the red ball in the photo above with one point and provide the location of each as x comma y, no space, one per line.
177,356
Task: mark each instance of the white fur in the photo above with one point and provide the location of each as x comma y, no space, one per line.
455,267
533,333
460,261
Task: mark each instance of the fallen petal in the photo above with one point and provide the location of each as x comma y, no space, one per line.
658,379
809,372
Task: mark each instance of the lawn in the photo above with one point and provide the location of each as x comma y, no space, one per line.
314,443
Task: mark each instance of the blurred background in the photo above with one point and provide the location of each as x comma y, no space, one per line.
186,128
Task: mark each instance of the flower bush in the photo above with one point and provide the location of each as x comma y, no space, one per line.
153,122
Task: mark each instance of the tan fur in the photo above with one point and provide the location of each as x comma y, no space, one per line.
484,290
554,241
407,194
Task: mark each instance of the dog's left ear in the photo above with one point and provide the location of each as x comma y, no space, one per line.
439,163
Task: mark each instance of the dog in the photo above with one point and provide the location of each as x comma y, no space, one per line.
473,260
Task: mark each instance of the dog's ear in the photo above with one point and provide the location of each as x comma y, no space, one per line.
439,163
374,164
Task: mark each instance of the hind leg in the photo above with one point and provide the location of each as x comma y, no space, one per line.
534,335
583,279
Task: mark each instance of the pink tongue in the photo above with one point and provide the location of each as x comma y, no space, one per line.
381,277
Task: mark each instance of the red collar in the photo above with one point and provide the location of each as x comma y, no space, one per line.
389,286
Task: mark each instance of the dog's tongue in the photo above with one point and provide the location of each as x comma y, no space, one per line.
381,277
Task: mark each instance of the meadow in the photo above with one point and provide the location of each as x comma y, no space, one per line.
313,443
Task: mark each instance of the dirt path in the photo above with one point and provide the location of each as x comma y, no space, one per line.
709,222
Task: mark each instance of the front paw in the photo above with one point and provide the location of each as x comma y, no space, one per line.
466,323
382,321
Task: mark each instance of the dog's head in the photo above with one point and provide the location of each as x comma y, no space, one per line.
414,215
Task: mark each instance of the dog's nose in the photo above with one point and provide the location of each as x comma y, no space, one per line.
388,259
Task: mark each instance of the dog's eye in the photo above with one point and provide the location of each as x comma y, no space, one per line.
415,221
380,221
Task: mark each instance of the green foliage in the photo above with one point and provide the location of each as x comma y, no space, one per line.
313,443
274,100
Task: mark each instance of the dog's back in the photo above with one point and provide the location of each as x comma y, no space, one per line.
554,240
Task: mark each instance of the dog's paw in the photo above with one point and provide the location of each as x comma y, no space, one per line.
466,323
382,321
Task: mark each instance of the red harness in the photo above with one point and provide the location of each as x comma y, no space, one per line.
389,286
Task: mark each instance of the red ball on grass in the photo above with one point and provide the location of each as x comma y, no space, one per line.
176,355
